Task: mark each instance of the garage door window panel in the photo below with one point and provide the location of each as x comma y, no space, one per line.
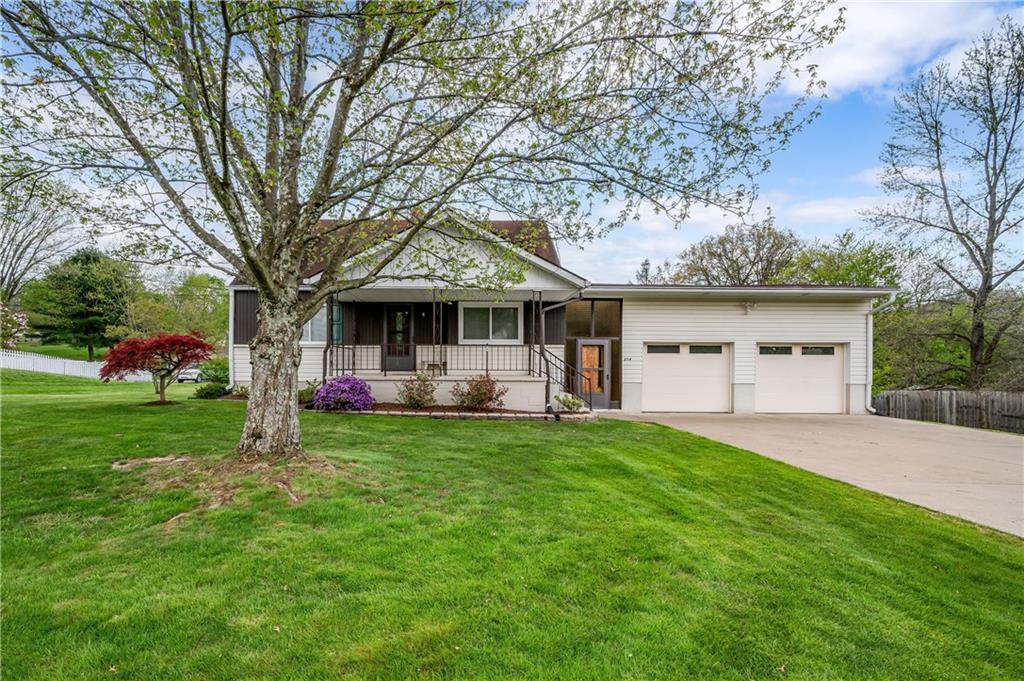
705,349
663,349
776,350
818,350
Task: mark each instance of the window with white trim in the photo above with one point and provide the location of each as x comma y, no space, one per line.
497,323
315,330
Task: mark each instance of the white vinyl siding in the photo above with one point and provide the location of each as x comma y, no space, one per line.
310,368
797,322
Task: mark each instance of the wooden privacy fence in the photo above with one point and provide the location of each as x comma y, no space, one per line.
983,409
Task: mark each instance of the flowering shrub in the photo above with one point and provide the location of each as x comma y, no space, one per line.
343,393
12,327
481,392
417,391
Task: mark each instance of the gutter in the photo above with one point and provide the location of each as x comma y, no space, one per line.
871,349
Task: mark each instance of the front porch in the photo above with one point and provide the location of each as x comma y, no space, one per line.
388,335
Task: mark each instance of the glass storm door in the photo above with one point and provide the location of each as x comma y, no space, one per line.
593,359
399,353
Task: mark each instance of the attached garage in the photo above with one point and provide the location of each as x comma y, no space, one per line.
800,379
687,377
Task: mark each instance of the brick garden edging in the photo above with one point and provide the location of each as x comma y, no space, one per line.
475,415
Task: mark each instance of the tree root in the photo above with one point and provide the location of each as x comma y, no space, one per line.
217,481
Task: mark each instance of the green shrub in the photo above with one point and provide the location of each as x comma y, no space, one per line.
306,394
481,392
570,403
214,370
210,391
417,391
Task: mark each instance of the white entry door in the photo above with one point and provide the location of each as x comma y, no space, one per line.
687,377
800,379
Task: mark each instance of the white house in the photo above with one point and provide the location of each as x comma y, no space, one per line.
772,349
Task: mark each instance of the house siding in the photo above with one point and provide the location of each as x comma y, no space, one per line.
310,367
843,323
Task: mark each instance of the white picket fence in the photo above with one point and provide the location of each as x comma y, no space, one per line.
29,361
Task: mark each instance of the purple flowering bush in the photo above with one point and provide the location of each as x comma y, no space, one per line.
343,393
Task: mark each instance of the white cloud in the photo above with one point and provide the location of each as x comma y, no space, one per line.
884,41
869,176
839,211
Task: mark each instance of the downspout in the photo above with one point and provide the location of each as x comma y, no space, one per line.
871,349
231,338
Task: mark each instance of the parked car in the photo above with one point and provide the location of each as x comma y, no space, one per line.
189,374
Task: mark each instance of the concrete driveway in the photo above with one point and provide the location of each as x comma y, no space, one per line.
974,474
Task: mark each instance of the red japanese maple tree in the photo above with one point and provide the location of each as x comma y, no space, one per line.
163,355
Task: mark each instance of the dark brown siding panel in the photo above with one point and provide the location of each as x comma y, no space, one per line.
369,323
422,324
348,323
554,329
529,322
451,321
246,304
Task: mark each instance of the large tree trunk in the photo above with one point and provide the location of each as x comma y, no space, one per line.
272,415
977,369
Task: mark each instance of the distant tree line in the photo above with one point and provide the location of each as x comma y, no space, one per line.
92,300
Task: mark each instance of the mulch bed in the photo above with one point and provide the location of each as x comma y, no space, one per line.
447,411
440,408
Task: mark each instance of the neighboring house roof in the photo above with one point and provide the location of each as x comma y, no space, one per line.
533,236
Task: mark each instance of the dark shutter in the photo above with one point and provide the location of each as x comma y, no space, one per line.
246,304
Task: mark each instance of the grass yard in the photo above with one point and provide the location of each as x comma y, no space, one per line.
448,549
60,350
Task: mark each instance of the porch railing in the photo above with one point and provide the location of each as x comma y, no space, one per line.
441,360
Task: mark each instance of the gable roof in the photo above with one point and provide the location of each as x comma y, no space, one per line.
531,235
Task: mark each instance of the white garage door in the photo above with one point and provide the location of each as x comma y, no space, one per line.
685,377
800,379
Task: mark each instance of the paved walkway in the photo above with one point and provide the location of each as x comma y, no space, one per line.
974,474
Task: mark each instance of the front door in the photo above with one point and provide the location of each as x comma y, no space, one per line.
593,360
399,351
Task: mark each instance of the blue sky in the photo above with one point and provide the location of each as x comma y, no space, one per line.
819,185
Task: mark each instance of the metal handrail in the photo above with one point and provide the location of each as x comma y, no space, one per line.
571,379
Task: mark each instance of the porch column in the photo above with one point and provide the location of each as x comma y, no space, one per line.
543,324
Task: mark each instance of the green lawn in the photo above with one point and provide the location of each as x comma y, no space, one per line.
60,350
483,550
